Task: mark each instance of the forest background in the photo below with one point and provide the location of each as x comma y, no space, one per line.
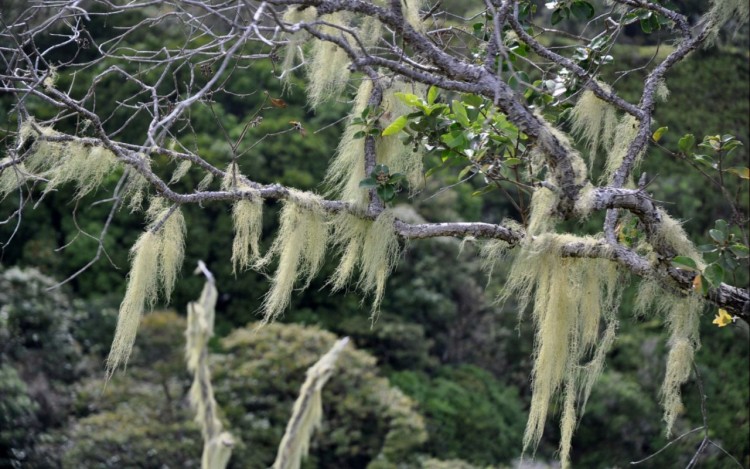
440,380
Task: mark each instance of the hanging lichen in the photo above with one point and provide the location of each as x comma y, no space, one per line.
61,161
307,413
156,258
411,8
594,121
625,133
293,50
570,296
12,177
542,217
684,340
349,234
669,233
379,256
681,315
370,245
721,12
328,65
300,246
136,186
347,168
247,218
181,170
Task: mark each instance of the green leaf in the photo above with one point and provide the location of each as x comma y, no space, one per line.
744,173
714,273
409,99
396,126
705,160
684,263
558,15
740,251
360,134
582,10
659,133
465,171
706,248
368,183
484,190
396,178
432,94
722,225
649,23
454,139
686,143
513,161
460,111
387,193
717,235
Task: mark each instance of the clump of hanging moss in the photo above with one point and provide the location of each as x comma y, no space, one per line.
247,218
570,299
625,133
347,168
594,121
156,258
300,246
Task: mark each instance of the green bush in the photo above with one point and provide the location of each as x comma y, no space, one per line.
469,414
365,419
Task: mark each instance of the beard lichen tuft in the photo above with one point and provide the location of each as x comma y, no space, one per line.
296,39
307,413
594,121
347,168
721,12
180,171
247,218
156,259
570,298
542,216
300,247
380,255
12,177
349,234
69,161
682,315
670,233
625,133
370,245
140,293
328,65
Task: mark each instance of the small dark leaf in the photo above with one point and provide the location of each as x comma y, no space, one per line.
558,15
582,10
368,183
717,235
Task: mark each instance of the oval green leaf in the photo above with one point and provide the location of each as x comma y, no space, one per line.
684,263
396,126
714,273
